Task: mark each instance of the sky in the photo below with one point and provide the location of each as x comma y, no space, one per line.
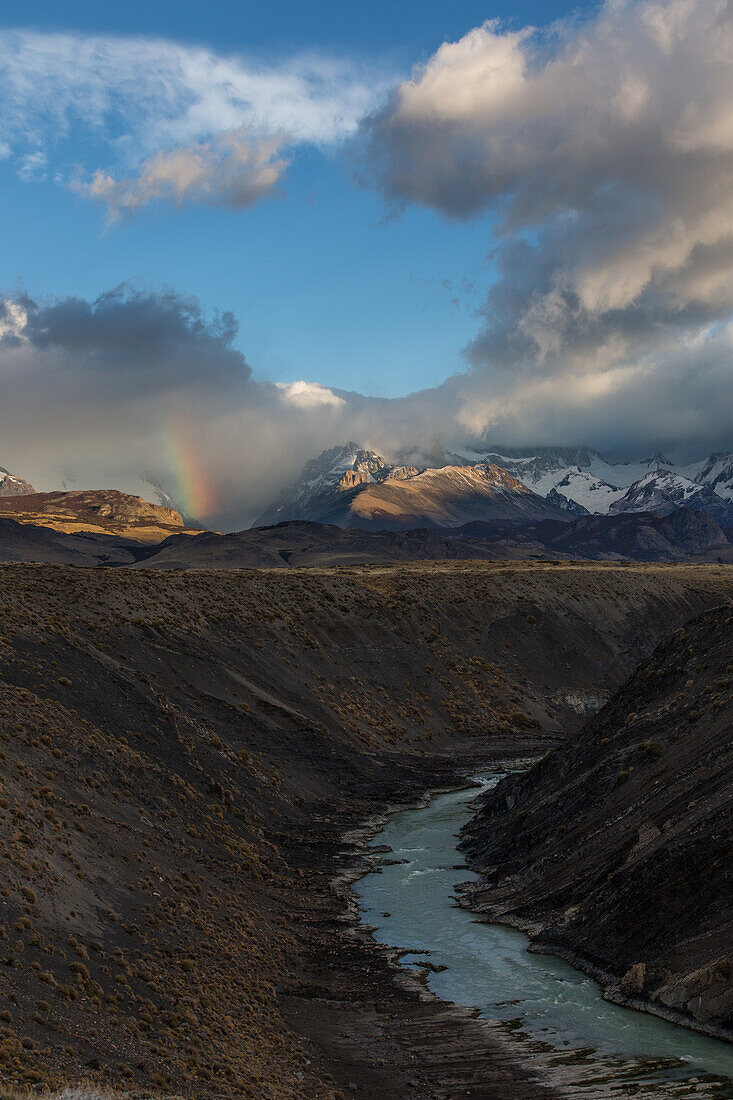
237,233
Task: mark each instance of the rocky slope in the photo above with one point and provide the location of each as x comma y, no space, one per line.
615,849
94,511
181,753
442,498
30,543
663,491
352,487
578,480
300,543
683,535
12,486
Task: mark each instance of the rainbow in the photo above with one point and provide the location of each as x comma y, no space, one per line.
195,491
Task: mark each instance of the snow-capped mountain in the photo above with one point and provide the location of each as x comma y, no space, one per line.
13,486
583,477
663,491
572,480
353,487
335,471
579,474
717,472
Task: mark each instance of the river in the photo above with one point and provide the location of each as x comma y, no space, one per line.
409,900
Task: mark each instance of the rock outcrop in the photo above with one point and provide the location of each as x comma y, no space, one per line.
96,511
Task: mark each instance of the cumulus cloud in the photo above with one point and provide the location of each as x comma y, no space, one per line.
308,395
96,392
601,156
597,159
169,122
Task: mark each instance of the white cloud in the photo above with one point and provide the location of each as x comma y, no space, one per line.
309,395
603,152
169,121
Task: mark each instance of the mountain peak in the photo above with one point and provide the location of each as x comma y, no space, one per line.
13,486
659,460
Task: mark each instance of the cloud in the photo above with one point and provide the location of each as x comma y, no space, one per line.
233,171
597,158
95,392
601,157
168,122
308,395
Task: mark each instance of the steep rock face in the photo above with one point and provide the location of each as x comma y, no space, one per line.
717,473
322,481
13,486
566,503
616,847
663,491
97,511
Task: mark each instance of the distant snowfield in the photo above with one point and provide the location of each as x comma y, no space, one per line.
601,486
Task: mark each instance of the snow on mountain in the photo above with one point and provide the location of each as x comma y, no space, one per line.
13,486
449,496
578,480
717,472
337,470
350,486
568,504
585,477
663,491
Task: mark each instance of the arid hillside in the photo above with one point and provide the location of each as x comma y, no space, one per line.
181,752
94,511
616,848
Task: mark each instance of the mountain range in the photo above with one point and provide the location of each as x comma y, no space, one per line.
355,487
553,502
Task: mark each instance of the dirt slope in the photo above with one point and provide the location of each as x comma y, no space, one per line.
180,752
617,847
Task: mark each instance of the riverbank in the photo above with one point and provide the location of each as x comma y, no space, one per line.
381,1033
614,851
551,1018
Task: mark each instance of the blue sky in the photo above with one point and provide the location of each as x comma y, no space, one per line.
437,225
323,285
